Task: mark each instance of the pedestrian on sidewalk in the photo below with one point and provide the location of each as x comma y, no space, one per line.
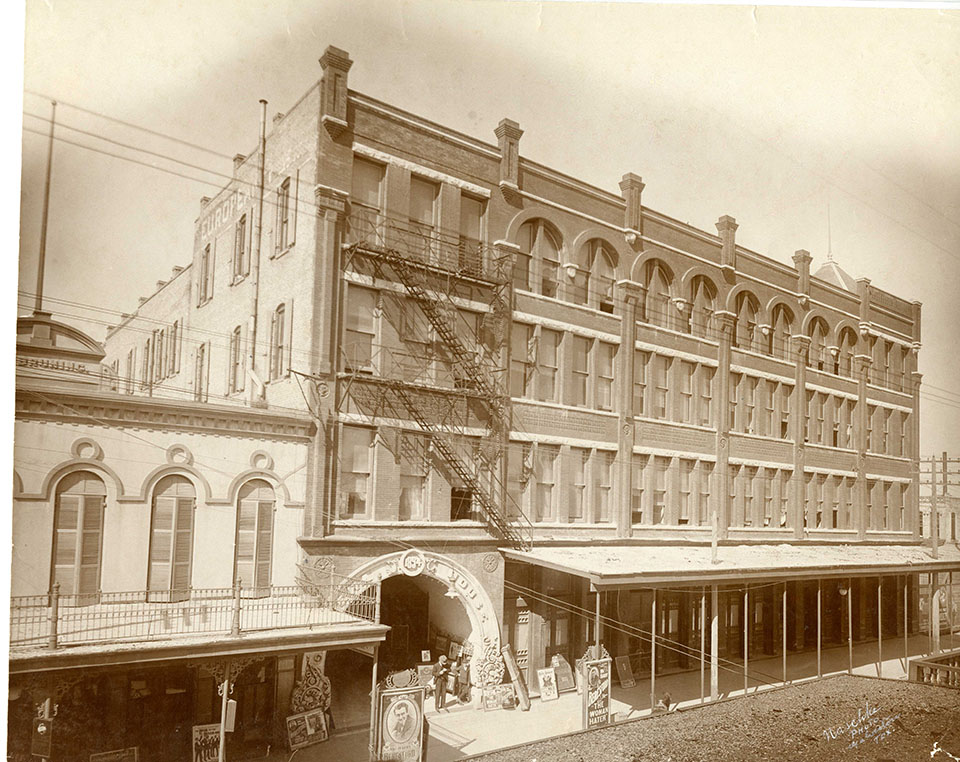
463,680
440,672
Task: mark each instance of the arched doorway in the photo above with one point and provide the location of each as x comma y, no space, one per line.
456,603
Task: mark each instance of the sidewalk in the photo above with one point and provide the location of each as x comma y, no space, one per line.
463,732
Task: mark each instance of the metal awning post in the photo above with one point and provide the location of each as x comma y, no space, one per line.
703,638
879,627
746,638
714,643
784,634
653,652
850,626
819,628
906,632
596,628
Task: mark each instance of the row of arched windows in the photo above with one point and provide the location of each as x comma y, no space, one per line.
590,277
80,511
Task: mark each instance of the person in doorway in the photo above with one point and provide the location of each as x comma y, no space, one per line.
463,680
440,671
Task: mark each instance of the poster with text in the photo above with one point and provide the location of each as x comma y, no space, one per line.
400,725
306,729
206,742
625,672
547,678
596,693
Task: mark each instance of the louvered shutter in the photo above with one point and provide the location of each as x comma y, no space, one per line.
182,545
65,558
264,542
161,542
246,541
92,523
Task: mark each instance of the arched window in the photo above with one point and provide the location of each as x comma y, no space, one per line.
78,535
745,333
595,276
702,299
656,308
847,346
254,542
818,344
539,251
171,539
782,331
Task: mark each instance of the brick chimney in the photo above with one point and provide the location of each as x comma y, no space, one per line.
508,134
727,228
631,189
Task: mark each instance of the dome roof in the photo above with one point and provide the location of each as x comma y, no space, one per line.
835,275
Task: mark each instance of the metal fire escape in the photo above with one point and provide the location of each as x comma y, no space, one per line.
436,271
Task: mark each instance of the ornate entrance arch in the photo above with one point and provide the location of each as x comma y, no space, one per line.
487,664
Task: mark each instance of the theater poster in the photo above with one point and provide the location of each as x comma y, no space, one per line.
400,725
596,693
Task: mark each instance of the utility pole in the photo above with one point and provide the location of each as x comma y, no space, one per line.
38,305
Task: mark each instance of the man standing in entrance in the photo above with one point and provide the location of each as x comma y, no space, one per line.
440,672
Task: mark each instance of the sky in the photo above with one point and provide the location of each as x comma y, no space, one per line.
773,115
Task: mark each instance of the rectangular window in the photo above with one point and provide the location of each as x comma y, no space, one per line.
871,415
413,476
235,379
639,466
173,348
688,371
145,365
606,358
706,471
686,486
360,329
278,343
736,379
423,217
284,238
750,404
580,370
706,395
523,353
201,373
767,477
603,466
820,402
770,428
548,365
640,360
749,476
204,290
808,409
904,426
661,466
356,456
821,482
885,431
576,508
550,269
365,201
545,509
785,393
661,370
785,477
241,249
471,220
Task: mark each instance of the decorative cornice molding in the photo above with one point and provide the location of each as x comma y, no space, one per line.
140,412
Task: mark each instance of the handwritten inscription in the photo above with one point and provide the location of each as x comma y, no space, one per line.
868,725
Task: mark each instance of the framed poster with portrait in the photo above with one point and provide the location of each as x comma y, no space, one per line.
490,698
400,724
547,678
425,655
453,652
306,729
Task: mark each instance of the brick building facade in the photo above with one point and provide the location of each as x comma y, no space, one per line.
507,365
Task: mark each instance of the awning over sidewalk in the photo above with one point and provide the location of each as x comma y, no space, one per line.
625,565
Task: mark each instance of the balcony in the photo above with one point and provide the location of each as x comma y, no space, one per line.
53,621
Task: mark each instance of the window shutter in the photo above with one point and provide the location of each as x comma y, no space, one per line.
294,204
65,558
242,370
264,542
175,349
206,375
246,541
183,544
247,253
212,268
89,581
287,359
275,248
161,542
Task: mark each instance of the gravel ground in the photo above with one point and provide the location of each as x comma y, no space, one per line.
839,718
